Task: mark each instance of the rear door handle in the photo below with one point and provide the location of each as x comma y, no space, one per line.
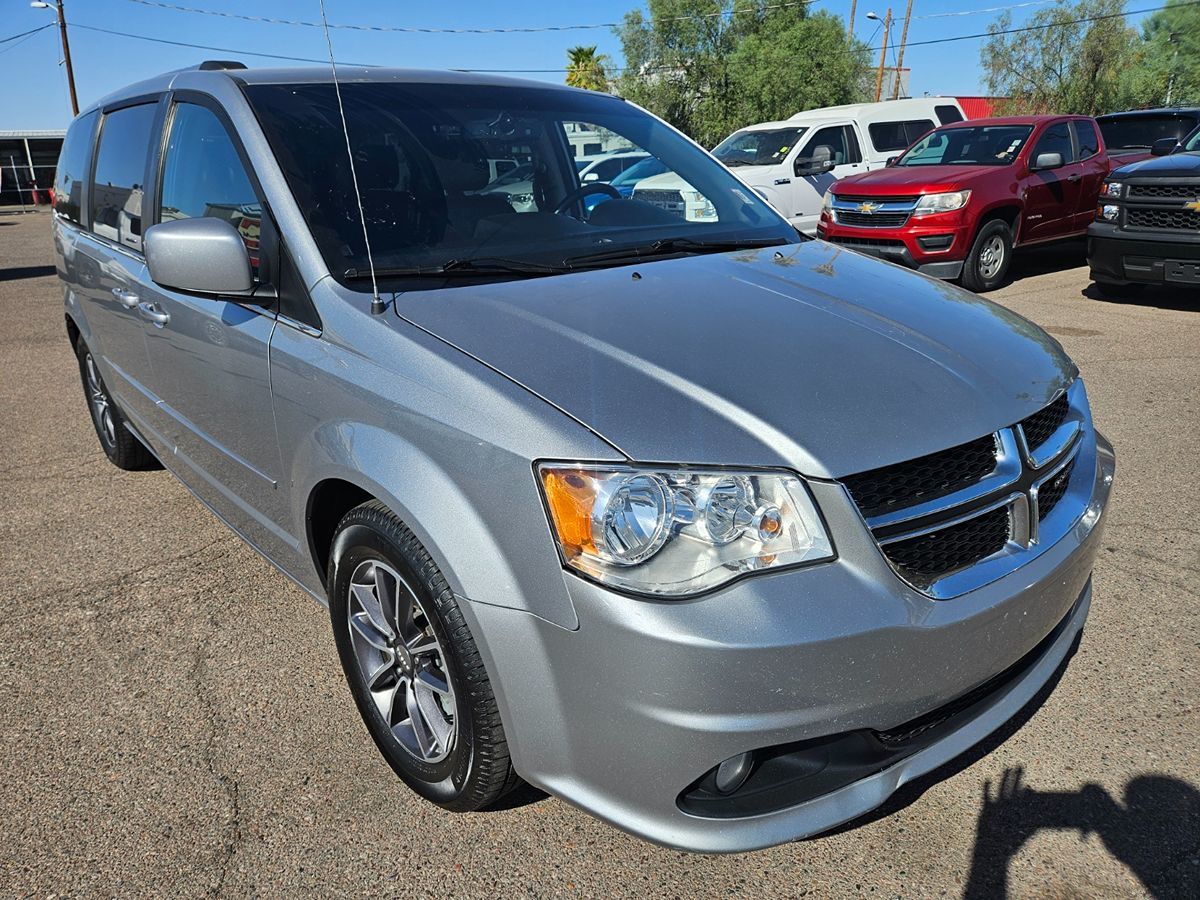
154,314
128,299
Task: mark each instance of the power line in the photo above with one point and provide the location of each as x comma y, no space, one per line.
13,37
20,39
407,29
648,70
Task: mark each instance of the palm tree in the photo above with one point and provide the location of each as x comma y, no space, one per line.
586,69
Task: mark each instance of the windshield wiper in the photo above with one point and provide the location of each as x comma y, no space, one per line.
483,265
672,245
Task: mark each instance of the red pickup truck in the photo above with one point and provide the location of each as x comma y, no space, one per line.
958,200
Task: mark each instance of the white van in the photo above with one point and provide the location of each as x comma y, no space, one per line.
793,162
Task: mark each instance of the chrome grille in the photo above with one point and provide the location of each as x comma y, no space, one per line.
952,521
672,201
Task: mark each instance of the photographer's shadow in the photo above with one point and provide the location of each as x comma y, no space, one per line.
1154,829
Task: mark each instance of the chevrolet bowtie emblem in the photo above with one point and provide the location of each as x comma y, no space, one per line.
1194,206
868,207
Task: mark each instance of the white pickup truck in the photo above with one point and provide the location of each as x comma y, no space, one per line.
793,162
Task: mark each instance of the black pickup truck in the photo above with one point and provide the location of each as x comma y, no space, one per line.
1147,227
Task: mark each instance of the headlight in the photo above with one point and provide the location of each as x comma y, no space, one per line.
827,202
698,206
674,532
1112,189
939,203
1108,212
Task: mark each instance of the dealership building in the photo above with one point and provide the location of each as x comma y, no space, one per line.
27,161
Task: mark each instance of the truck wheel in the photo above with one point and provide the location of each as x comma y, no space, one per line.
118,443
986,265
412,666
1118,291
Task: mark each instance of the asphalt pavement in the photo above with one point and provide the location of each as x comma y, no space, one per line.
173,719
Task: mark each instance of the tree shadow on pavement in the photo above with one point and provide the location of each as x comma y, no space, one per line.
1154,830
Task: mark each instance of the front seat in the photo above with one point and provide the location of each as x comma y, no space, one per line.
394,215
463,169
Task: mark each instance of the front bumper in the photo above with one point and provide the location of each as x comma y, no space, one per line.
933,245
624,714
1123,257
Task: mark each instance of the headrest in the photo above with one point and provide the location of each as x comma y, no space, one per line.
461,165
377,166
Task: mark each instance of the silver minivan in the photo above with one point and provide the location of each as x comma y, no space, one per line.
719,533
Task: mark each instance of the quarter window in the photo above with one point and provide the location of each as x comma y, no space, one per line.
125,137
947,114
1085,138
898,135
72,169
203,176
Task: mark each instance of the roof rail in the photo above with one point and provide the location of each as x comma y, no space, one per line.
216,65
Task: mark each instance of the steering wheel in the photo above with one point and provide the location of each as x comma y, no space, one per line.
582,191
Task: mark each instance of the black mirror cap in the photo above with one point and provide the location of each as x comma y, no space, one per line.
1047,161
1164,147
891,160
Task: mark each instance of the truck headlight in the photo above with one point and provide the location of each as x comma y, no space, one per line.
1112,189
827,202
681,531
940,203
697,206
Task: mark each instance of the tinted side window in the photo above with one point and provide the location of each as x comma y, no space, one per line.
72,168
832,137
898,135
125,138
203,176
947,114
1055,139
1085,138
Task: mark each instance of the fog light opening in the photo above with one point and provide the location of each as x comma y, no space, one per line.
732,773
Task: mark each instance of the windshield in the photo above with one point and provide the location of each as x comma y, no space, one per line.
983,145
424,154
758,148
1139,132
1191,143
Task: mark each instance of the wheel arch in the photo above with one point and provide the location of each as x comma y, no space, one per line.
1006,211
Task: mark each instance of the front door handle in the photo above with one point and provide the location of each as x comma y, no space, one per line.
1074,178
154,314
128,299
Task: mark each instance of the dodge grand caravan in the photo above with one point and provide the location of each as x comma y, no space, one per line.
719,533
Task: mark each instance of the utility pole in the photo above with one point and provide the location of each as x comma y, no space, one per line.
1172,38
66,48
850,30
903,42
887,26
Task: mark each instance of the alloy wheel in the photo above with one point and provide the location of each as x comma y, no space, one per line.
401,662
100,404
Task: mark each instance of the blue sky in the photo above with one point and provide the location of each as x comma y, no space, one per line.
33,91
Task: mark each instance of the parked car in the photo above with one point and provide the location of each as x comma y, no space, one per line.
629,179
958,201
719,533
517,184
1147,227
793,162
1134,133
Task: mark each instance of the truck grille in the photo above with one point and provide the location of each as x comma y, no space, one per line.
1164,191
944,513
1176,219
872,220
847,198
672,201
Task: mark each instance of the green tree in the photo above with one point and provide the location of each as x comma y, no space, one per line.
710,67
1064,66
587,69
1167,72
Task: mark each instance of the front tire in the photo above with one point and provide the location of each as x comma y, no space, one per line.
986,266
412,666
118,443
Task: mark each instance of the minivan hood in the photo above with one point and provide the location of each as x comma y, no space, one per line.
809,356
914,179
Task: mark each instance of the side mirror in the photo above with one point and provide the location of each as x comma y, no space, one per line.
1047,161
819,163
202,256
1164,147
590,177
891,160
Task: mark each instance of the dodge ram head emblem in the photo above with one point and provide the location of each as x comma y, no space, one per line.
868,207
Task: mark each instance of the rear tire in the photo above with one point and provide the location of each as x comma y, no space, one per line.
118,443
412,665
986,266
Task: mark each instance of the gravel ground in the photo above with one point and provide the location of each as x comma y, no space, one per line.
173,719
